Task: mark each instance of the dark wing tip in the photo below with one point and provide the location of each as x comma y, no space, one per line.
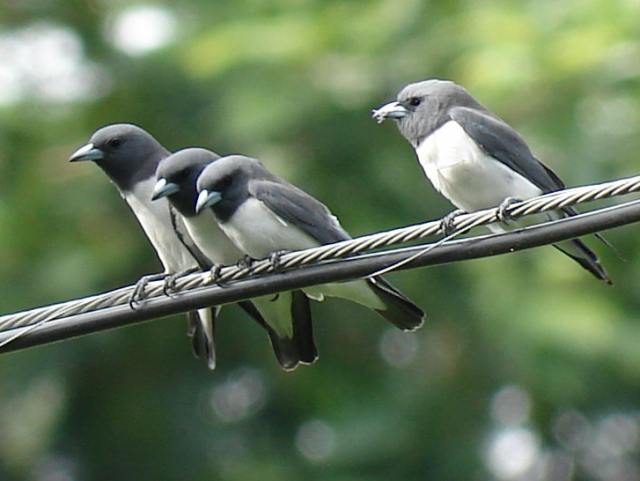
401,311
202,345
583,255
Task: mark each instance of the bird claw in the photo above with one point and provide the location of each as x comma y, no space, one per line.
170,281
275,259
216,274
169,285
503,215
245,262
447,224
138,295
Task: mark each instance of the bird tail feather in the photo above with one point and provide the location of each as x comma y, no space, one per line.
579,252
300,347
399,309
570,211
574,248
303,327
201,329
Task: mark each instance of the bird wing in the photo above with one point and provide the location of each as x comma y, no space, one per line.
504,144
298,208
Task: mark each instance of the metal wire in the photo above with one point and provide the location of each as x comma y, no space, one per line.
329,271
37,317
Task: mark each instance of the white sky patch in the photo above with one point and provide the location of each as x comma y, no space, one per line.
11,88
142,29
46,61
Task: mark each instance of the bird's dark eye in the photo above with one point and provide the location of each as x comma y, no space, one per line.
115,142
415,101
225,181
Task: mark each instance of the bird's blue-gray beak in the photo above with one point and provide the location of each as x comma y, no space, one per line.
164,189
207,199
392,110
86,152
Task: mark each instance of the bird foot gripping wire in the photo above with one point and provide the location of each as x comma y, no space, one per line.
138,295
169,287
275,259
447,224
216,274
503,214
245,262
91,313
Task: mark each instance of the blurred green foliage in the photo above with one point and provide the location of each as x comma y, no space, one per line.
526,369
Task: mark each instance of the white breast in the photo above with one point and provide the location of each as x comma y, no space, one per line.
467,176
155,220
210,239
257,231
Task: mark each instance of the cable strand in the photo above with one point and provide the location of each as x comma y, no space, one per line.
328,253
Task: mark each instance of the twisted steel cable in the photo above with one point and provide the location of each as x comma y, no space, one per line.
326,254
349,268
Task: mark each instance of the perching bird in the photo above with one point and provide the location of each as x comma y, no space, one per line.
263,214
474,158
130,156
287,314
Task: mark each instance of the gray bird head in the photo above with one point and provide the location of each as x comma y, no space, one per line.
125,152
223,185
422,107
177,175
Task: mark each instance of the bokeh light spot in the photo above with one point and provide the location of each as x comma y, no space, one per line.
398,348
46,61
241,396
511,405
142,29
512,452
315,440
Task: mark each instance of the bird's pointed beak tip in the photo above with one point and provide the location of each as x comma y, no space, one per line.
207,199
163,188
86,152
392,110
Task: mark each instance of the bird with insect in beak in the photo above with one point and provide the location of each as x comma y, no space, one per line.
287,315
263,214
474,158
129,156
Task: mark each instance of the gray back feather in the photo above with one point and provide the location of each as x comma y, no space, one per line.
503,143
442,101
298,208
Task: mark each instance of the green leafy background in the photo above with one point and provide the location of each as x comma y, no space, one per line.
527,369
